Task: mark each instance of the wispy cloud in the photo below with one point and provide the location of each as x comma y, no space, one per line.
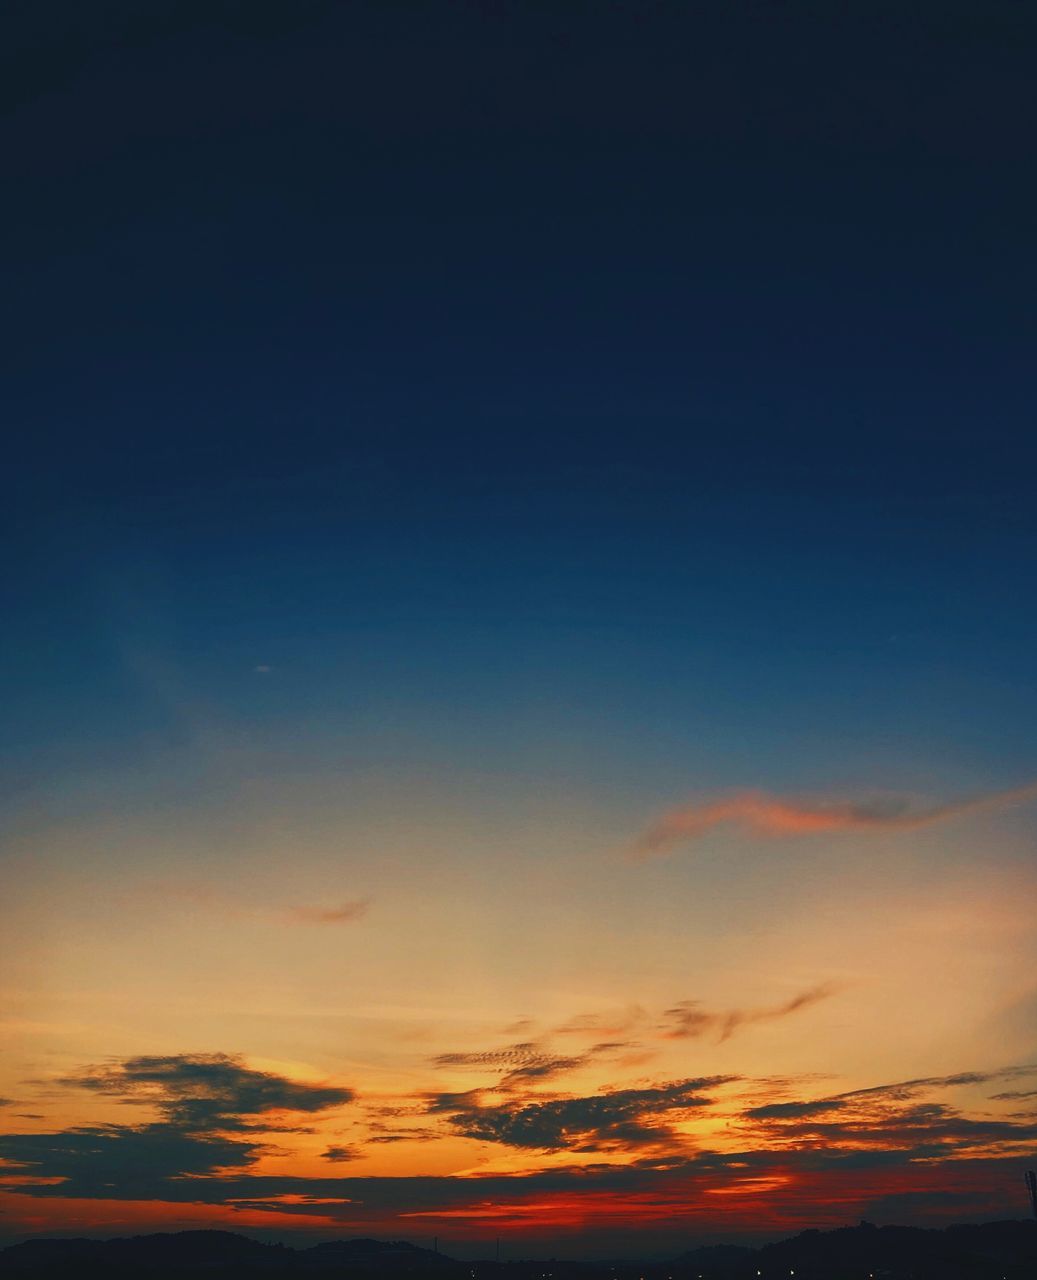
617,1023
344,913
898,1092
518,1027
509,1056
386,1136
897,1120
688,1020
526,1062
162,895
770,816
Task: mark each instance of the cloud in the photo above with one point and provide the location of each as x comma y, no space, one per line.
930,1129
159,896
546,1068
411,1134
509,1056
809,1180
526,1061
107,1161
529,1062
517,1028
897,1092
834,1155
207,1091
624,1119
688,1020
521,1063
675,1185
908,1204
344,913
608,1024
339,1154
468,1099
793,1110
203,1098
767,815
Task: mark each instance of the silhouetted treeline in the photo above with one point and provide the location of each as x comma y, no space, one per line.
990,1251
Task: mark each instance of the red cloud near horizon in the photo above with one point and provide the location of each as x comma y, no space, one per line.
767,815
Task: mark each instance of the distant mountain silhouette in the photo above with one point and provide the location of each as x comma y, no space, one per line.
376,1258
186,1249
224,1252
988,1251
992,1249
717,1259
363,1249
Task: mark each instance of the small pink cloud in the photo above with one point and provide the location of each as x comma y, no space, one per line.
767,815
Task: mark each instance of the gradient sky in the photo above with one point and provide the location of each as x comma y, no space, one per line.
518,702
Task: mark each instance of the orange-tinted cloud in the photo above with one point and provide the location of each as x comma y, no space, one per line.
344,913
767,815
634,1120
616,1023
885,1152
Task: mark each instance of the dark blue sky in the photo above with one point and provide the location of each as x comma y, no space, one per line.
524,351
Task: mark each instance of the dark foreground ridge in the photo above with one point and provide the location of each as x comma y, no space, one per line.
989,1251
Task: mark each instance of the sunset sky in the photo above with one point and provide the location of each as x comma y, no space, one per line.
519,715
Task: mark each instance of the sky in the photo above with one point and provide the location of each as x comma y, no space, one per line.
517,671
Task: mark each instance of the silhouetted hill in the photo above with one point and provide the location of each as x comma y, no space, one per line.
994,1249
167,1251
717,1259
224,1252
987,1251
385,1254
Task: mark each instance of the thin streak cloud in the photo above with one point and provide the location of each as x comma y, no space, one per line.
767,815
163,895
688,1020
344,913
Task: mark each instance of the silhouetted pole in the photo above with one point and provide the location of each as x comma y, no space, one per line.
1031,1186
